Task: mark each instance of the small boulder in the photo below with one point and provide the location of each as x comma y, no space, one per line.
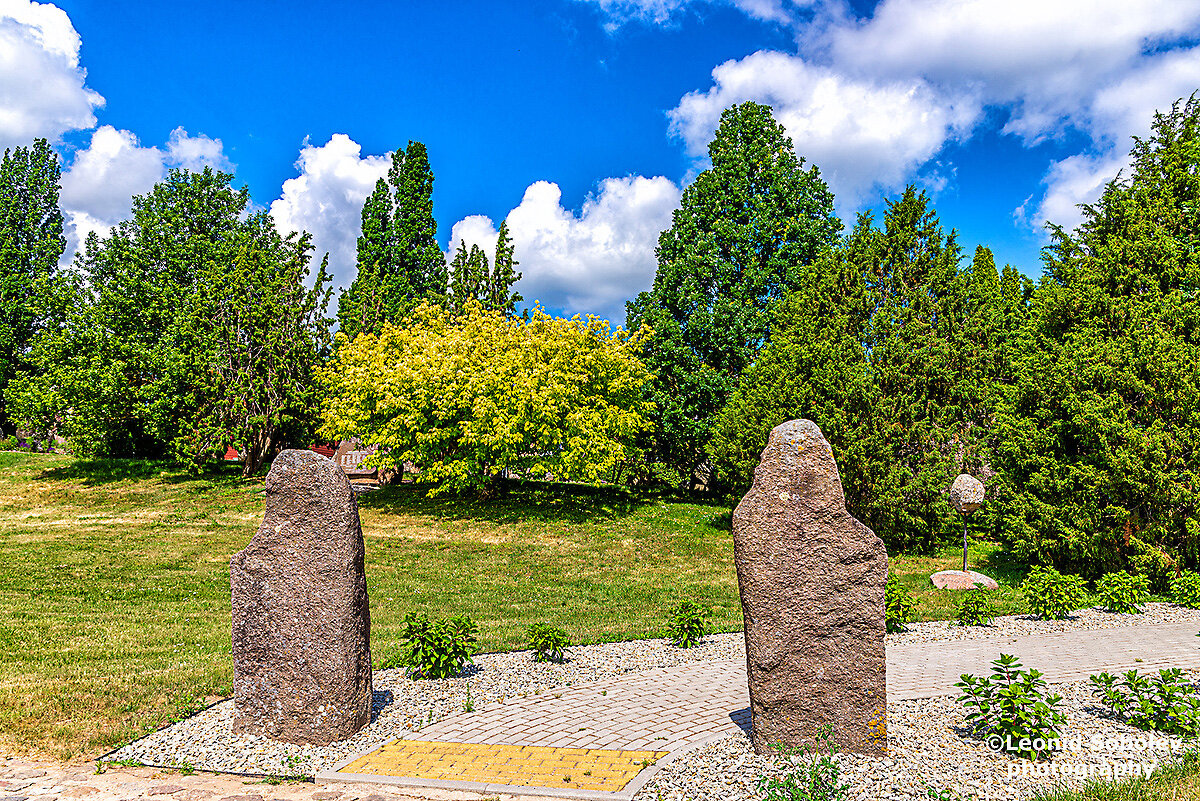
301,617
962,580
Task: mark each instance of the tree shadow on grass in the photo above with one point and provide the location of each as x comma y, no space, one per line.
95,472
540,501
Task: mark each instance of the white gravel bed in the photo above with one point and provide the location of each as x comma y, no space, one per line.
206,741
1016,625
930,748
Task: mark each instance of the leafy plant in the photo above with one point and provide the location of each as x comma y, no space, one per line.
8,443
437,649
1011,708
1122,592
1165,702
687,624
1185,589
548,642
898,605
975,610
817,778
1051,595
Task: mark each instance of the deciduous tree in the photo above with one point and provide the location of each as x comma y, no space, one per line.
466,398
745,230
31,242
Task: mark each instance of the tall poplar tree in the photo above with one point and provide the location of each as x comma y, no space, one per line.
399,261
745,230
31,242
500,295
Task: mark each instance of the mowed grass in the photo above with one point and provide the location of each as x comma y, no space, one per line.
114,597
1176,781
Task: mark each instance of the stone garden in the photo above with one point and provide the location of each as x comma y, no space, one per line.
730,717
709,552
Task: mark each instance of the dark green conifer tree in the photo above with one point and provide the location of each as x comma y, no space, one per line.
1098,440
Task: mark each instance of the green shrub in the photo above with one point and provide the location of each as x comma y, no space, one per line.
898,605
1165,702
1012,710
8,443
1122,592
687,624
437,649
1185,589
815,777
1051,595
547,642
975,610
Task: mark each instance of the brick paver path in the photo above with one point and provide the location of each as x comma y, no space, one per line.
675,709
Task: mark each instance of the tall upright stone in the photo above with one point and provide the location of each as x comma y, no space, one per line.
301,618
812,582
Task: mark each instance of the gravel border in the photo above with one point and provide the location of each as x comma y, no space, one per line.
930,748
206,741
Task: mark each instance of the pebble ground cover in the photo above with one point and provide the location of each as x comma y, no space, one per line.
114,600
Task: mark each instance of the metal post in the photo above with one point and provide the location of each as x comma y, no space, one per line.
964,519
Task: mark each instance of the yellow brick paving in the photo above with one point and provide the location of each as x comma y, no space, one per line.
521,765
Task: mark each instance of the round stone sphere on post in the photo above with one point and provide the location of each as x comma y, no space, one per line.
966,494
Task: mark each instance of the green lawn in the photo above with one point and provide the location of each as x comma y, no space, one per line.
1176,781
114,602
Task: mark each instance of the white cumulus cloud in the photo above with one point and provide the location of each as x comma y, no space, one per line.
874,100
588,262
326,199
43,90
862,133
99,185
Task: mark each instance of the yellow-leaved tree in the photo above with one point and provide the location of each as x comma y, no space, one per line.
468,397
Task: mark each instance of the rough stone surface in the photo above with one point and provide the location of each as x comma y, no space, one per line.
962,580
301,620
812,580
966,494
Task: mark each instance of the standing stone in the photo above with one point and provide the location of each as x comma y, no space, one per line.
812,580
301,619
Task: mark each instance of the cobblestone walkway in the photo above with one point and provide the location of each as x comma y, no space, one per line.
676,709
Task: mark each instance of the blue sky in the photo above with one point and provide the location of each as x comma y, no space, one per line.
581,120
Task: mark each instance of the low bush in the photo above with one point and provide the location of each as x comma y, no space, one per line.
975,610
1122,592
8,443
436,649
1011,709
1050,595
687,624
547,642
1185,589
1166,702
817,777
898,605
